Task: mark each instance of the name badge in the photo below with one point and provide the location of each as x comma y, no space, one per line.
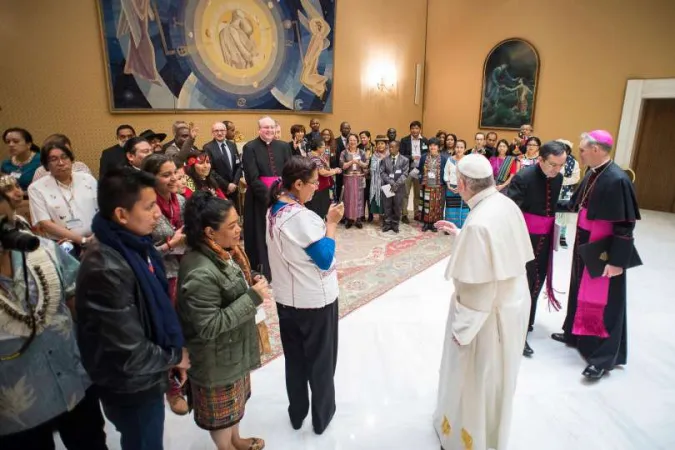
357,158
398,172
424,146
16,175
73,224
431,176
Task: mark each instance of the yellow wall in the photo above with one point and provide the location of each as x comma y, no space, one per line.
52,75
587,49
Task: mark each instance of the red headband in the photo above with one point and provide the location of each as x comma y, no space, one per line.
201,159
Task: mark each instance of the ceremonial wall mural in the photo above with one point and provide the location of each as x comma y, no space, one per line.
193,55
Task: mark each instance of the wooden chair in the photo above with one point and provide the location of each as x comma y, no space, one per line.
631,174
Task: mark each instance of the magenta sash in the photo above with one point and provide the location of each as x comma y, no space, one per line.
268,181
544,225
593,292
538,224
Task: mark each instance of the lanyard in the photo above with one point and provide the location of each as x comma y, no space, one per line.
66,201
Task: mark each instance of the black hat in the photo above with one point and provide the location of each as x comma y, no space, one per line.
150,135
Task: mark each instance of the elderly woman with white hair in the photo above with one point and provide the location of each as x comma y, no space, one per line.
571,175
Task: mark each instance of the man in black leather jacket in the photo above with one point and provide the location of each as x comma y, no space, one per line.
119,335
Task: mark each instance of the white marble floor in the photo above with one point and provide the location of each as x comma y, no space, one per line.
388,373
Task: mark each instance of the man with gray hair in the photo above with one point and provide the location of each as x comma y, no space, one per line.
596,306
263,161
488,314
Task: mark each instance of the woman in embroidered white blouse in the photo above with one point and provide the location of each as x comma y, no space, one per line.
301,249
64,203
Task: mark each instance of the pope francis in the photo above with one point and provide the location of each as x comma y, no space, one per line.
488,315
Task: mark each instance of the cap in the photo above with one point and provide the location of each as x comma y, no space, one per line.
381,137
602,137
475,166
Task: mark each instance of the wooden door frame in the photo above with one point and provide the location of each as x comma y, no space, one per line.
637,91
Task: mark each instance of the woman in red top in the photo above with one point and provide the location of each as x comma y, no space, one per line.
504,166
200,177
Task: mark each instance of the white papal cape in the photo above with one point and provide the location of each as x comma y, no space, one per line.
488,315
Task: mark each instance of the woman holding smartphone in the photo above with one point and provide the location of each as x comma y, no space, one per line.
301,250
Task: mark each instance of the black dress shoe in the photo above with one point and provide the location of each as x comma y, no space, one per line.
561,337
343,221
593,373
370,218
349,224
405,220
297,424
395,230
386,228
432,228
530,328
358,224
527,351
563,242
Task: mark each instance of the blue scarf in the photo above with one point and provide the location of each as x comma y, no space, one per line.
138,251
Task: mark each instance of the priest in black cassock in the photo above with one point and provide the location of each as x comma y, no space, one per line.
263,161
535,190
596,308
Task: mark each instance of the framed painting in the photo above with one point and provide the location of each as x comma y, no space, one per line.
219,55
510,78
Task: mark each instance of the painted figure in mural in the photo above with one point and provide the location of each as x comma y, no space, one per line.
319,28
500,77
522,90
236,42
134,18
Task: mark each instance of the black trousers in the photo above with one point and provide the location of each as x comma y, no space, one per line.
80,429
310,341
393,207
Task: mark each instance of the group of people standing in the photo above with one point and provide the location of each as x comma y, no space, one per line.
160,299
498,273
148,259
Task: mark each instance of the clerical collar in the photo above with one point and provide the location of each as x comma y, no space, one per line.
601,166
265,142
482,195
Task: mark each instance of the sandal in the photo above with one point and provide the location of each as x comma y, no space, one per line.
256,444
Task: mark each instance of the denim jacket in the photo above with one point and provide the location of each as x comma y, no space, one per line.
48,378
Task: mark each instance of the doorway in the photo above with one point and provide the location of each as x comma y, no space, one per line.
655,156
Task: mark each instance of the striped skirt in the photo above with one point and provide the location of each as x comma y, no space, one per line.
455,208
431,204
220,407
353,197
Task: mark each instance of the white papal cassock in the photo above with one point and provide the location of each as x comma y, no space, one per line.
488,316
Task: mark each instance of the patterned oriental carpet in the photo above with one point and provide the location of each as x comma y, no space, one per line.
371,263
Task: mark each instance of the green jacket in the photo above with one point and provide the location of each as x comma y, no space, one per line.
217,311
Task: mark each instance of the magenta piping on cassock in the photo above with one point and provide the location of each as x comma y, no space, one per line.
593,292
544,225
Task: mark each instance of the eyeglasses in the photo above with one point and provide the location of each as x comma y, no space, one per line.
532,145
553,165
314,182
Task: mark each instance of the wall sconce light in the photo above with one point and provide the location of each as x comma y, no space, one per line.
382,85
382,77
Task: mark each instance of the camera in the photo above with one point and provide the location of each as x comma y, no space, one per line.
13,238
